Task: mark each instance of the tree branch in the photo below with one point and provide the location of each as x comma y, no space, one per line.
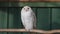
34,30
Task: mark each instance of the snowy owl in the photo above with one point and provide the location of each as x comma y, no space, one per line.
28,18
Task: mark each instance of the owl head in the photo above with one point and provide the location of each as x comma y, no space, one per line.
26,8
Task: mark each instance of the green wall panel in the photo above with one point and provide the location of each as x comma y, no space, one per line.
34,4
14,19
55,18
3,19
43,18
4,4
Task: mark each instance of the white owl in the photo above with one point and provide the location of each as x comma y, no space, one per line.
28,18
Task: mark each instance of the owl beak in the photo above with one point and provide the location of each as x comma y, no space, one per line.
26,10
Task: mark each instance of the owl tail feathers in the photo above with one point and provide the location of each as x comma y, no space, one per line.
31,32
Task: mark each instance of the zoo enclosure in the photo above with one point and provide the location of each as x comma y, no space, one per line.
47,17
42,15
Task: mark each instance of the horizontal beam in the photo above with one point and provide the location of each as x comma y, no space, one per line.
30,0
34,30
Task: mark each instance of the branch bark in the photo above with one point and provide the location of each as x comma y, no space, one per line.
34,30
29,0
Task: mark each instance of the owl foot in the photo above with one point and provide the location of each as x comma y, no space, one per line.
28,30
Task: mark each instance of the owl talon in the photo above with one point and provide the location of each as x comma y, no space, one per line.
27,30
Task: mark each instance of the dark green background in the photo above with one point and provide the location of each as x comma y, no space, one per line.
47,18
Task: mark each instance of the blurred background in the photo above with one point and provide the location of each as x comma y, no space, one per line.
47,13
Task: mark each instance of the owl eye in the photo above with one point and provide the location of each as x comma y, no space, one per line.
27,8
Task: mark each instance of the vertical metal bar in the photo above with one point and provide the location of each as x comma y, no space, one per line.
7,18
36,11
36,17
20,18
21,21
50,9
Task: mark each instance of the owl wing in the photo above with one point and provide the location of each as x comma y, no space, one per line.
22,19
34,21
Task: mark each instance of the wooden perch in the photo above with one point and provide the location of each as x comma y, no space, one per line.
34,30
29,0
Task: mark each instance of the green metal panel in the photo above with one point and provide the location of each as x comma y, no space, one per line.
14,19
43,18
4,4
3,19
34,4
55,18
3,16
